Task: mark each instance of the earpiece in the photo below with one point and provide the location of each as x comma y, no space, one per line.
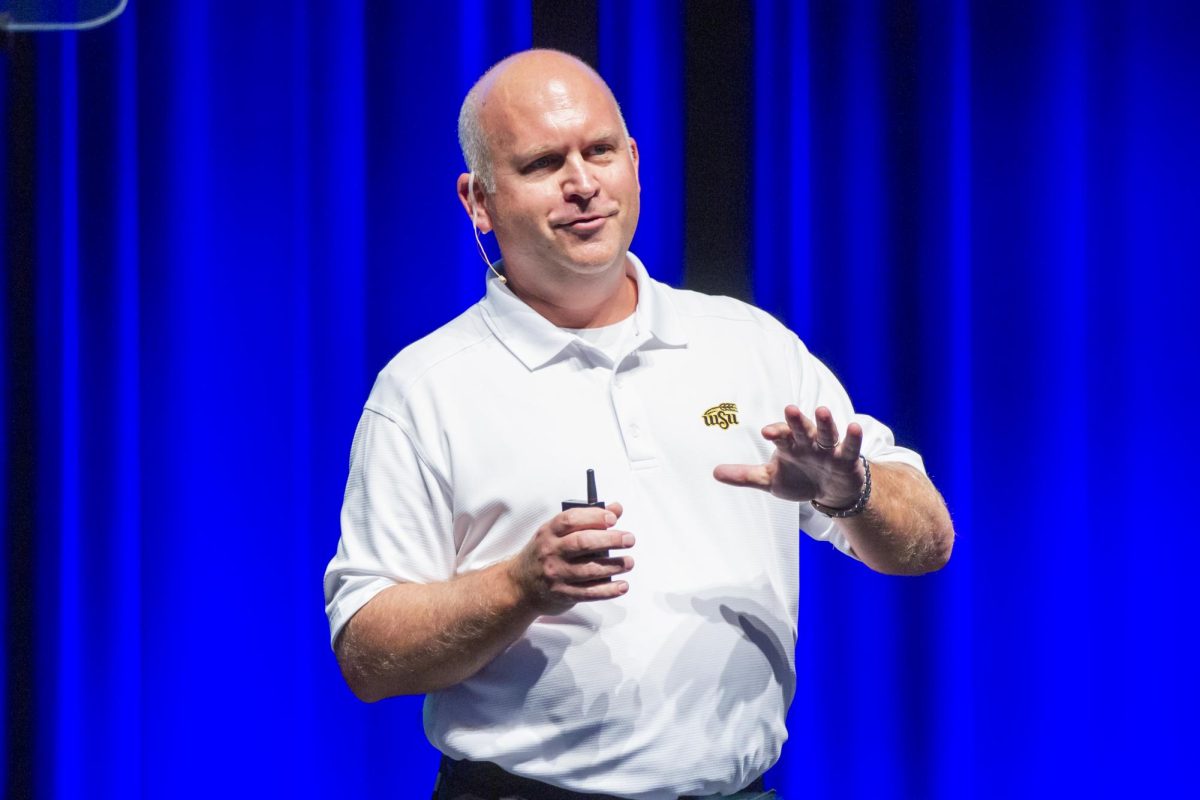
475,227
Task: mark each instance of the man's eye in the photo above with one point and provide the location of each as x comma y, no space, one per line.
603,149
541,163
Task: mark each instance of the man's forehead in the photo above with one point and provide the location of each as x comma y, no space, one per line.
533,67
540,92
535,120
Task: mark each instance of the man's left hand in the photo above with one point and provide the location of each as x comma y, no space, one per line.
811,461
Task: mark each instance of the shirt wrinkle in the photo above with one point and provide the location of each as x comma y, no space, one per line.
489,444
416,446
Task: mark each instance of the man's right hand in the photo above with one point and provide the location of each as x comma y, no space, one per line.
568,561
415,638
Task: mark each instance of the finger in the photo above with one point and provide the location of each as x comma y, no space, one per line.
827,432
852,447
755,476
605,589
803,429
603,569
578,519
779,433
581,543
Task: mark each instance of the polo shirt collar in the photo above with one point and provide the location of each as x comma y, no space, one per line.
536,341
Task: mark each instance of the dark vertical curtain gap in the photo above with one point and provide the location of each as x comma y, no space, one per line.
717,42
21,402
903,189
567,25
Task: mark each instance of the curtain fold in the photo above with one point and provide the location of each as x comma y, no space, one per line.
983,217
987,242
641,57
238,224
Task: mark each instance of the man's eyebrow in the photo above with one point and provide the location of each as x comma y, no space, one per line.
538,151
607,136
534,153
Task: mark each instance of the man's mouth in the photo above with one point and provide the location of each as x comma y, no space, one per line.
586,223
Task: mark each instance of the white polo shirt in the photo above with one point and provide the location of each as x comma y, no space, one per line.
473,436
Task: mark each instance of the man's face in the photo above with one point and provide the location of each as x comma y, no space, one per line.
567,195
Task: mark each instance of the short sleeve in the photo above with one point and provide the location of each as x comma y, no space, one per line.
395,521
817,386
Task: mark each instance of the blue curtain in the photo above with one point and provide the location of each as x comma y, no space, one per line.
641,57
989,231
244,211
993,240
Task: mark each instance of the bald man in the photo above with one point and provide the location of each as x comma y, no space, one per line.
551,667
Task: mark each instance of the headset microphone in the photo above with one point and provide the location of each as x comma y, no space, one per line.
475,227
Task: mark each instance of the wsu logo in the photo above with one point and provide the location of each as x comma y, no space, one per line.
722,415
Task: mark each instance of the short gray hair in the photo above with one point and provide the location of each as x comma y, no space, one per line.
471,136
473,139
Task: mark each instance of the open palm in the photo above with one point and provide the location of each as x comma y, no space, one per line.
810,462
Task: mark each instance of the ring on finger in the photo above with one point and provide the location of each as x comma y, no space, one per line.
817,442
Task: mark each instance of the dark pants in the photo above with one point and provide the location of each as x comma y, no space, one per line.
483,780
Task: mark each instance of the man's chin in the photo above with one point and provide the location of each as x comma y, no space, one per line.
594,267
594,257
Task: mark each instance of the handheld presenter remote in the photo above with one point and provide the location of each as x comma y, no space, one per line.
591,501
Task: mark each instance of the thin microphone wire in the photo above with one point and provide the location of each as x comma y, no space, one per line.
478,241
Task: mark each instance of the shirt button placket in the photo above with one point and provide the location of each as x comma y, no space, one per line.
638,446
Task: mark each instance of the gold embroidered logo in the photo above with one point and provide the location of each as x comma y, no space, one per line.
722,415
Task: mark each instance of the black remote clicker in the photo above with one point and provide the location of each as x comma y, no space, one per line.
591,501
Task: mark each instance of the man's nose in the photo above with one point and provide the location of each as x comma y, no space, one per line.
579,184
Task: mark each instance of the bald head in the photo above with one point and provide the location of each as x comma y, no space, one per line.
493,96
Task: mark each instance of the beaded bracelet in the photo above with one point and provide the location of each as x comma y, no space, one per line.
858,507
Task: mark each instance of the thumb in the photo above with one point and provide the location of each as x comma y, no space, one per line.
753,475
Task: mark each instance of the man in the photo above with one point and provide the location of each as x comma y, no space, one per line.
551,667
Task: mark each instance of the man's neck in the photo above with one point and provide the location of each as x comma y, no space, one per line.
591,306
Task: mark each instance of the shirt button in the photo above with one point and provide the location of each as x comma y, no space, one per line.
635,431
619,383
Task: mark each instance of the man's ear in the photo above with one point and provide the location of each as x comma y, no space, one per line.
633,153
474,206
